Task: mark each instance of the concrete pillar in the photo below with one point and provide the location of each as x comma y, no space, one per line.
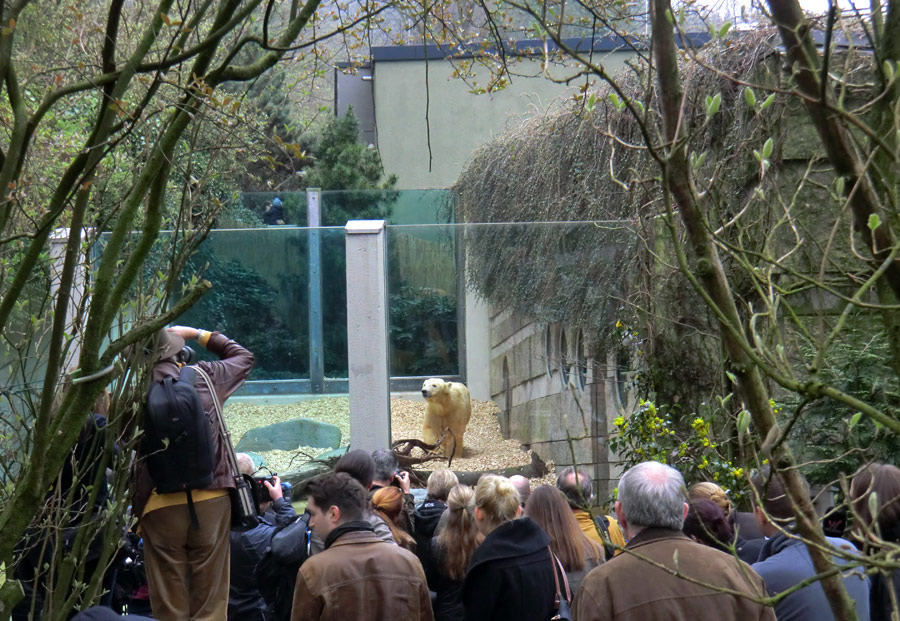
316,330
367,335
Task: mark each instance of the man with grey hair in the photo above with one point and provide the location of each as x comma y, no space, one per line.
679,578
388,473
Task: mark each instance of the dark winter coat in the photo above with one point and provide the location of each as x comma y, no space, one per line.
448,603
784,561
247,547
510,576
880,605
426,519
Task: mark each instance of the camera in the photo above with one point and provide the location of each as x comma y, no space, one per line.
187,355
261,492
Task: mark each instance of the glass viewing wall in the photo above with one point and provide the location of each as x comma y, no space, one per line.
261,296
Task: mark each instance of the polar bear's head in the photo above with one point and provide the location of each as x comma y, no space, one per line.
433,387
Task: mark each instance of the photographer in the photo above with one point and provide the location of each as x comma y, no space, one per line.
387,473
186,533
248,546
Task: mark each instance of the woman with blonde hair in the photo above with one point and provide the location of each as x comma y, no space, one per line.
548,507
451,551
387,503
511,574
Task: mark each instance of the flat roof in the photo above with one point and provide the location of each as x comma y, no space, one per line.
524,47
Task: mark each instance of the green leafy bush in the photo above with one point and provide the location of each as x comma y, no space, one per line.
686,442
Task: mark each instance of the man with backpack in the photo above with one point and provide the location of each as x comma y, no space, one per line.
577,486
183,477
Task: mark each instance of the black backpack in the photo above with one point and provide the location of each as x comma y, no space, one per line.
276,572
178,440
603,524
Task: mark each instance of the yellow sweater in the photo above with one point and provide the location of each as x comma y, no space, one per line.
587,525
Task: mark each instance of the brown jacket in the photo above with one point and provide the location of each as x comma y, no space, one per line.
362,577
227,375
629,588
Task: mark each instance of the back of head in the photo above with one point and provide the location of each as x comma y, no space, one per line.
770,489
245,463
359,465
440,482
707,523
576,485
883,480
549,508
653,496
523,486
389,501
385,465
497,498
707,490
460,536
338,489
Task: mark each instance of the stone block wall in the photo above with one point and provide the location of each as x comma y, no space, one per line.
554,397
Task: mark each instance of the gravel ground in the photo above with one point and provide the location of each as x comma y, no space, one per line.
485,448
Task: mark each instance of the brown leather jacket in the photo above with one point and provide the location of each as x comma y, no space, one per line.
628,588
361,577
227,375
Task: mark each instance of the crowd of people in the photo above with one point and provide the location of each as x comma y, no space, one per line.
501,550
362,549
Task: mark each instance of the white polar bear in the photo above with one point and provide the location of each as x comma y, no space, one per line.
448,407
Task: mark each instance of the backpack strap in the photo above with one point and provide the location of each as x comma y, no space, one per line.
603,525
187,375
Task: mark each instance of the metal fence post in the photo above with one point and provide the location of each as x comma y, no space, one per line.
316,330
367,335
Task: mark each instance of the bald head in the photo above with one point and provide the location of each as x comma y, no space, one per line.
576,485
523,486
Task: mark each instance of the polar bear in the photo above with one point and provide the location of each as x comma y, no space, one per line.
448,406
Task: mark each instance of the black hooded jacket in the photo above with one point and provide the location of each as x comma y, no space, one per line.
427,517
510,576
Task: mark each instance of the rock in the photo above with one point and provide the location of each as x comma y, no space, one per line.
290,435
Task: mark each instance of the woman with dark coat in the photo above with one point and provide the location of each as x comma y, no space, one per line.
511,574
451,552
880,531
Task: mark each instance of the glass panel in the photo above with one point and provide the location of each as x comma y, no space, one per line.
393,206
334,301
423,284
258,209
260,296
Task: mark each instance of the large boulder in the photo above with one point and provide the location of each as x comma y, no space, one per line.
290,435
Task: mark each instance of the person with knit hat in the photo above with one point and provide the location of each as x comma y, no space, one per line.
274,214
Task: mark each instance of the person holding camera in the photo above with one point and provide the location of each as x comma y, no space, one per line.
245,603
387,473
186,533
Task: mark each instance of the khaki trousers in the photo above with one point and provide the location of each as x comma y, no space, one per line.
188,568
